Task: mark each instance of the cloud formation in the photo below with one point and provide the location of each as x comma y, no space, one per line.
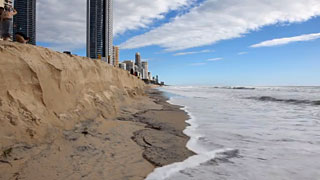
62,24
215,59
131,15
287,40
242,53
217,20
193,52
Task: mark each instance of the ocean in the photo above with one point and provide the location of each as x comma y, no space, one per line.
248,133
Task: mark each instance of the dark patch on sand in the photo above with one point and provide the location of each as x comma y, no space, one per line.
163,138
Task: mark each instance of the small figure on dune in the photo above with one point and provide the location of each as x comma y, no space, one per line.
1,11
7,17
21,38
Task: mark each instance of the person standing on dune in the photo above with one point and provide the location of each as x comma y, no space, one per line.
1,11
7,17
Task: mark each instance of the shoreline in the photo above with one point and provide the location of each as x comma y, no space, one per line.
163,139
146,133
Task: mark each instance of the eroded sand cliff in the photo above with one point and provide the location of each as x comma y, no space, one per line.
68,117
41,89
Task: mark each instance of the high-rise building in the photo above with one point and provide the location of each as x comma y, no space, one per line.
138,59
149,76
99,29
123,66
130,66
116,56
145,69
25,21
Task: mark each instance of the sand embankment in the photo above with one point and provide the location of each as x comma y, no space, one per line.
41,89
69,117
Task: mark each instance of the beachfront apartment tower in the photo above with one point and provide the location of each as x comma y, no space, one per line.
25,21
145,69
116,56
100,30
138,59
130,66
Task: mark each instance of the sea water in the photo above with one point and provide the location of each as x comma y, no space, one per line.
248,133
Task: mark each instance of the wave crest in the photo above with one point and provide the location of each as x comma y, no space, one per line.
290,101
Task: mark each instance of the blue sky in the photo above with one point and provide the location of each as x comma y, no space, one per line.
233,44
292,64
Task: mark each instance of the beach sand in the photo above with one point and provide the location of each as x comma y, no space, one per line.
70,117
146,133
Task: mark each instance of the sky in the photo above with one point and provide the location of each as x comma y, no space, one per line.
202,42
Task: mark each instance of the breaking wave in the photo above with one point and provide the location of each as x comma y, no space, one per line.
290,101
236,88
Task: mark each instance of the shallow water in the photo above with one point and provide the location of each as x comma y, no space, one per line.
254,133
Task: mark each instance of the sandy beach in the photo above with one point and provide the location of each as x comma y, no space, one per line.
146,133
70,117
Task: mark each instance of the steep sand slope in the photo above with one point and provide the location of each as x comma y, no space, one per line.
68,117
42,91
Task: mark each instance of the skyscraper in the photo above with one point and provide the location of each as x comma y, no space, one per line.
99,29
130,66
138,59
145,69
116,56
25,20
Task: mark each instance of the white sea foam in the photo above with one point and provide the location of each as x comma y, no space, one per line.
248,133
193,161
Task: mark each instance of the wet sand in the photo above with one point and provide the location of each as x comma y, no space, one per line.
163,139
145,134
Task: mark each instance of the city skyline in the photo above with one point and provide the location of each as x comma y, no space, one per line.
219,47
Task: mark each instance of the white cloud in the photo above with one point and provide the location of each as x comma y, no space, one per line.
130,15
287,40
216,20
63,23
193,52
215,59
242,53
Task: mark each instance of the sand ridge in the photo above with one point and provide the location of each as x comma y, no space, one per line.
69,117
42,89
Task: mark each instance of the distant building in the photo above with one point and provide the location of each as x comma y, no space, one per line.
25,21
116,56
129,66
100,29
138,59
149,76
136,69
123,66
145,70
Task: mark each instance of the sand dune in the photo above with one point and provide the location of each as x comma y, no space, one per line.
41,89
69,117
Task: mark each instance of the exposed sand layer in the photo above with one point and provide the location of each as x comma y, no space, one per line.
42,90
69,117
